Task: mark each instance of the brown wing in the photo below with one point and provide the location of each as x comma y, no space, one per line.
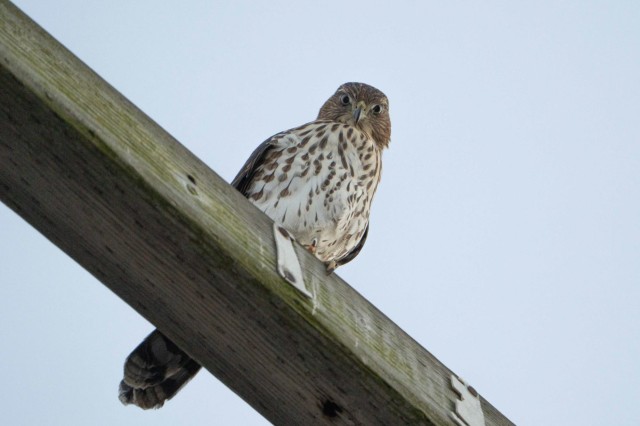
243,179
353,253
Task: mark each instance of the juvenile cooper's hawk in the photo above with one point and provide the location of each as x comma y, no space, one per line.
316,180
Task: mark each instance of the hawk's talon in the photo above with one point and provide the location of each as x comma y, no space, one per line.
313,246
331,266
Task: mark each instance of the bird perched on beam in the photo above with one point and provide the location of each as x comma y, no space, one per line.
317,181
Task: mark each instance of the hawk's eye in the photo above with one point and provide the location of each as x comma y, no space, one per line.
377,109
345,99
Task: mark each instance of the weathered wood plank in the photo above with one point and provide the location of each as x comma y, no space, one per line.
153,223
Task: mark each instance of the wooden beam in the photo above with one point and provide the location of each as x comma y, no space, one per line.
153,223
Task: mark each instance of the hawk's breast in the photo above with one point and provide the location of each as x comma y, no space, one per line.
318,181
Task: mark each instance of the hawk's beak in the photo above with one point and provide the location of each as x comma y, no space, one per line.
357,113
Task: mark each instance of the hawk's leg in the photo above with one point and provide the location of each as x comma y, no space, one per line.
331,266
313,246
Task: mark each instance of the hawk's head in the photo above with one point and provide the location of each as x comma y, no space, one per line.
362,106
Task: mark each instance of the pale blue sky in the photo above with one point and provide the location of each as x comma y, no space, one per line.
505,235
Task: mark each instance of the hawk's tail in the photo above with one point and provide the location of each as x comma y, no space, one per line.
155,371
